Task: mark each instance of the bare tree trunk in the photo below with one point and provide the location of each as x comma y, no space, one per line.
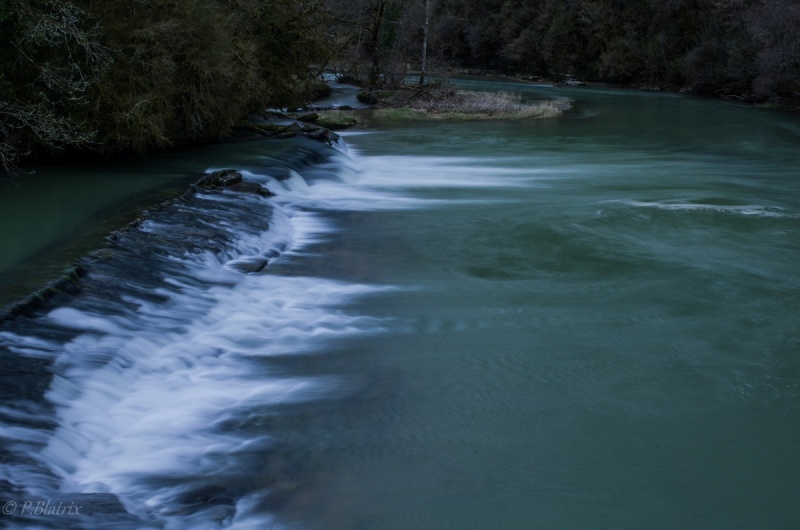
374,44
424,66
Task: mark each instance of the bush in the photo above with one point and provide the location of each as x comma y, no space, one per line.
124,76
47,69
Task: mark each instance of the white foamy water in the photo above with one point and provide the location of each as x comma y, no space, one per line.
379,183
603,337
159,394
153,392
744,209
158,407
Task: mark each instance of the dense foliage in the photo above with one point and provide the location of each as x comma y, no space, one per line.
747,49
125,76
50,57
134,75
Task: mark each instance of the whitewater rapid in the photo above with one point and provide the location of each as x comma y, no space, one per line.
159,389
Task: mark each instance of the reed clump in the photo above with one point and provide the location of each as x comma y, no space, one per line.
463,105
336,119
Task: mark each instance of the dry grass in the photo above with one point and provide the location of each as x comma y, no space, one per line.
342,116
467,105
401,114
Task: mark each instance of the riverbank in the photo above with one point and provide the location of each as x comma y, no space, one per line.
570,81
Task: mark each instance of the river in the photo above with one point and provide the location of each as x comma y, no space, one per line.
582,322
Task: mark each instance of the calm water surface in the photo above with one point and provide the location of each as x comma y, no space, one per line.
588,322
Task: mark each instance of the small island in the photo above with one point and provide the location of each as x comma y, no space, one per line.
444,102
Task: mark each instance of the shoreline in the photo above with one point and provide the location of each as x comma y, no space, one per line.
521,77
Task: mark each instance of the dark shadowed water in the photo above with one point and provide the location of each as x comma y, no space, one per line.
587,322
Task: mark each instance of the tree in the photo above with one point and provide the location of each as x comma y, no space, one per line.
775,26
52,58
125,77
423,69
186,71
369,35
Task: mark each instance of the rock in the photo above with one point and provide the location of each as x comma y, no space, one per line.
285,134
221,178
250,187
324,135
230,179
296,127
248,264
289,131
309,118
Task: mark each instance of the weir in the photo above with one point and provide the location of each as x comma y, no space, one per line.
147,396
584,322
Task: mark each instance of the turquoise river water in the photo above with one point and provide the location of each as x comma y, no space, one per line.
588,322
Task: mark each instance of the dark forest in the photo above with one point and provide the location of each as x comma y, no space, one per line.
117,77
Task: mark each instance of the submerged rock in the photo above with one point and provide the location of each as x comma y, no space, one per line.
248,264
250,187
324,135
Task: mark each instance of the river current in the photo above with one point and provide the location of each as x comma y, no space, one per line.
583,322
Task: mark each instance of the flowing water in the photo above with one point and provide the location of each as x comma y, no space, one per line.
586,322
